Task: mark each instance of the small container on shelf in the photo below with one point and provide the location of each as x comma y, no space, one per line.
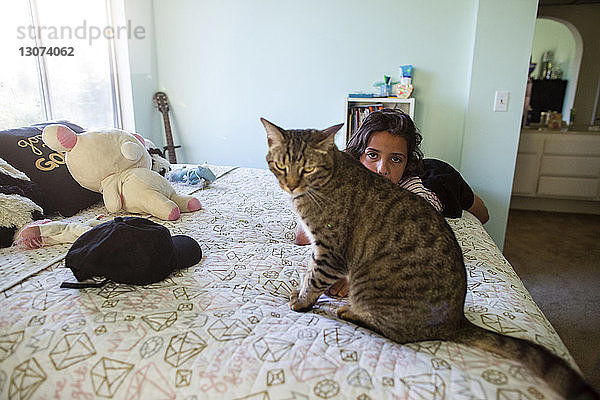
544,118
555,121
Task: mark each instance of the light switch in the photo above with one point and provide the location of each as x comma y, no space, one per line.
501,101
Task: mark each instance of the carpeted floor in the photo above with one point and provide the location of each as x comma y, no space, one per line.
557,256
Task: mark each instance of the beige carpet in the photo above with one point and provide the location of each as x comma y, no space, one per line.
557,255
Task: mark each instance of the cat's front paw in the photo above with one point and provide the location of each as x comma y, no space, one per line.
342,311
296,304
346,313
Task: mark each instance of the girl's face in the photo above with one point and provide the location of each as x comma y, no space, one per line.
386,154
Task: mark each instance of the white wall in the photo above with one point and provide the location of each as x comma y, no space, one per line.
491,139
225,64
144,70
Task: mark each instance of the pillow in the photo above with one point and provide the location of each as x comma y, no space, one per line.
23,149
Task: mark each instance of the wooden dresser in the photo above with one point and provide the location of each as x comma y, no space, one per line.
558,171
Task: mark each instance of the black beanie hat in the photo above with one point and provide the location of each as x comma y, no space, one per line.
130,250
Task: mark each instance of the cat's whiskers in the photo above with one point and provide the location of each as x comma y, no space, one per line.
312,197
320,195
317,197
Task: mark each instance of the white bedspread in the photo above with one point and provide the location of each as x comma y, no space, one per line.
223,329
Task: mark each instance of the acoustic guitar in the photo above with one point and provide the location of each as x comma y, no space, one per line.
162,103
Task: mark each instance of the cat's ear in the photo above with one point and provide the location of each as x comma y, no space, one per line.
274,134
328,137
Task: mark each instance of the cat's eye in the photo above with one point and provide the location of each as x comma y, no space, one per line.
279,166
308,170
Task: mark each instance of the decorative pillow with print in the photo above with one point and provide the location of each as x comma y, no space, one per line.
24,149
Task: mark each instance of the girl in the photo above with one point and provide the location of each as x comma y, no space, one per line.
388,143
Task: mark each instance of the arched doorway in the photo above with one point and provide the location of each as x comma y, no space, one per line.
565,42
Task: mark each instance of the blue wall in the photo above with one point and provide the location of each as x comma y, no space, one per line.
491,139
225,64
144,70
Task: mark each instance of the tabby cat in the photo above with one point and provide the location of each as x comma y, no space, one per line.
405,270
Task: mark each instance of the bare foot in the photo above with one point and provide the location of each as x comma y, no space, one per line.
338,289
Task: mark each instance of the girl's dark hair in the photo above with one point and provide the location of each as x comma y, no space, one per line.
396,122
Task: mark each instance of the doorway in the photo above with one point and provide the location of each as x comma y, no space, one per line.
535,182
563,42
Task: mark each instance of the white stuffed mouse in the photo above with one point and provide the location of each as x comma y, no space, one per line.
116,164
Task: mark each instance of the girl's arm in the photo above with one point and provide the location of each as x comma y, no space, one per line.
479,209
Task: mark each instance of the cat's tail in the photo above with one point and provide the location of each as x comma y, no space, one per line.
543,363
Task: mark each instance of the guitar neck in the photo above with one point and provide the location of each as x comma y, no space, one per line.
169,138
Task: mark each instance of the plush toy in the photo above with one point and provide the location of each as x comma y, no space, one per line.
15,212
19,198
193,176
46,232
159,163
116,164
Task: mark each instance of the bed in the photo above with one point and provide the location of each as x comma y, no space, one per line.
223,329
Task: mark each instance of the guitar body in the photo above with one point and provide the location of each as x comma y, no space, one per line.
162,103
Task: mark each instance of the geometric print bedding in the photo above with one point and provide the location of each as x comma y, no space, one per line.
222,329
16,264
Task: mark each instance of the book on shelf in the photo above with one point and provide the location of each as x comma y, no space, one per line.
371,96
358,112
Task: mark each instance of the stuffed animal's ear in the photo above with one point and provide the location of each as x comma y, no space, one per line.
132,151
140,138
59,137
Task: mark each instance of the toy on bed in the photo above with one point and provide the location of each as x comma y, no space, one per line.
19,198
116,164
159,163
45,232
200,175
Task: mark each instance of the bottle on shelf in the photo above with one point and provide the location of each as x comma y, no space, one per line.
548,70
546,65
557,72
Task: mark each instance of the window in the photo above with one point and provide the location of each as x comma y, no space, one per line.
82,87
20,97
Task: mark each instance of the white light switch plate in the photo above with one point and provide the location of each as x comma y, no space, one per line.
501,101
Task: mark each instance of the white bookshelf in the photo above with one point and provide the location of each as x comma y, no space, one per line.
406,105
